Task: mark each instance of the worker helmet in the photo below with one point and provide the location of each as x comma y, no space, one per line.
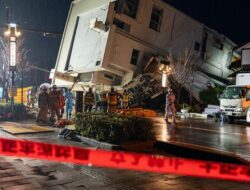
54,87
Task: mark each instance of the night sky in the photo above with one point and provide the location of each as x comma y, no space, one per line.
226,16
230,17
42,15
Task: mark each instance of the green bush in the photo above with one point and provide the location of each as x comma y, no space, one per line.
5,111
210,96
113,128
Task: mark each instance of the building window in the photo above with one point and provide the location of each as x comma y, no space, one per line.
204,46
121,24
108,76
67,66
130,7
134,57
98,63
156,17
197,46
218,44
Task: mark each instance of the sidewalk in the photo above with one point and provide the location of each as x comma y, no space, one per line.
32,174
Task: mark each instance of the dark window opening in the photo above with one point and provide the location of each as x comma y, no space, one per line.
197,46
130,7
218,44
108,76
71,45
121,24
98,63
156,18
204,46
134,57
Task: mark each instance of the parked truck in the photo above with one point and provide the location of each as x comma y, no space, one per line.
235,100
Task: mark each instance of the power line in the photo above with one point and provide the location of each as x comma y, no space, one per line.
51,34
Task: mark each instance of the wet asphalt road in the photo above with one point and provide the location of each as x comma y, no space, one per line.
207,135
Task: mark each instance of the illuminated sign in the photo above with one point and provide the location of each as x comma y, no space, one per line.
12,51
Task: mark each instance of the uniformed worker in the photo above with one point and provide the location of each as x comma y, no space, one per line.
69,97
125,99
170,98
54,104
112,100
104,102
89,100
43,104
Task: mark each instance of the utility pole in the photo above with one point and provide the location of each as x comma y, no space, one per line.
12,33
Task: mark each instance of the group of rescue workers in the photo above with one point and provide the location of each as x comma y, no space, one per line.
52,102
106,102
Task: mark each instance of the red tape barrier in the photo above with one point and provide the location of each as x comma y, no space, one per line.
121,160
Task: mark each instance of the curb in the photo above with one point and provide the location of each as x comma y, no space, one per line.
198,152
99,144
131,147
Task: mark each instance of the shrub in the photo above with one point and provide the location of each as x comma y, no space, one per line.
113,128
210,96
5,111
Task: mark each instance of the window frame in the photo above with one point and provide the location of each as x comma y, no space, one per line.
134,57
135,11
158,28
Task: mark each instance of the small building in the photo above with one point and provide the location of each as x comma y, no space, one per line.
105,42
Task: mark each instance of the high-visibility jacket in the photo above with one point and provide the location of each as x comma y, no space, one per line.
125,97
89,98
112,98
62,101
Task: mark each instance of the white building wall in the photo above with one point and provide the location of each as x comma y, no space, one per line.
217,60
89,45
114,47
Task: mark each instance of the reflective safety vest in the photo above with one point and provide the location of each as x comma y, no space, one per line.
112,98
125,97
89,98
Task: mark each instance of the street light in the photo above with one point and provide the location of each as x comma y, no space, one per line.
12,33
165,69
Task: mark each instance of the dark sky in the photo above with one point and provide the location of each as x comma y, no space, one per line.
42,15
230,17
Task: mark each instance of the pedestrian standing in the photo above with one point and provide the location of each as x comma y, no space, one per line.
43,104
62,103
89,100
69,103
112,100
171,106
54,104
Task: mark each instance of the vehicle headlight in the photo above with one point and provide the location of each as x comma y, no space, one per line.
222,108
239,109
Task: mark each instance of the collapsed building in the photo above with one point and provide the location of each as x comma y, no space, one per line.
109,43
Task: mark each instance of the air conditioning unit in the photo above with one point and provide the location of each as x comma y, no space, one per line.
97,26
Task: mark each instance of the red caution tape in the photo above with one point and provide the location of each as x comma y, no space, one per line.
121,160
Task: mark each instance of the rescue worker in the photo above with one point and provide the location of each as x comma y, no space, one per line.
89,100
54,104
112,100
97,102
43,104
104,102
69,103
170,98
62,103
125,99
